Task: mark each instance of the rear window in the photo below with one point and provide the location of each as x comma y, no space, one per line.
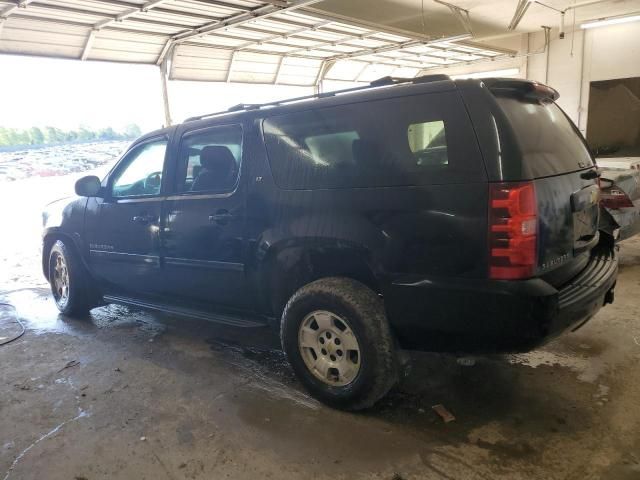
549,142
416,140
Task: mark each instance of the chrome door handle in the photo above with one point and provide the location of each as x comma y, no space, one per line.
221,217
144,219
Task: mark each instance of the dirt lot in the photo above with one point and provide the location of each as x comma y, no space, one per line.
126,394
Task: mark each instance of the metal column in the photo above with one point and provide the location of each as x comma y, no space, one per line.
165,92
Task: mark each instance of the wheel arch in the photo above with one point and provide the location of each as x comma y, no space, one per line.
288,267
49,239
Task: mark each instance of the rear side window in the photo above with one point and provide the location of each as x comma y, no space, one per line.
428,142
210,159
415,140
549,142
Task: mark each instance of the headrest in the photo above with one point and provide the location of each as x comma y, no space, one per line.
217,157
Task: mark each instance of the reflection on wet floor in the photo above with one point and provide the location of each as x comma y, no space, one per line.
178,377
261,345
435,378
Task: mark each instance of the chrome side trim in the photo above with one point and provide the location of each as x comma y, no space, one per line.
125,257
209,264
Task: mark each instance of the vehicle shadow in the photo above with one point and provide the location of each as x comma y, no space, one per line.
540,401
529,403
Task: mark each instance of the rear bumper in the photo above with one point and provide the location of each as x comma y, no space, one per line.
497,316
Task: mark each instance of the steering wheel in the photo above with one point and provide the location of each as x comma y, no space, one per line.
152,182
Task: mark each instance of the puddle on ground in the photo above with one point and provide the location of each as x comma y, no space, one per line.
35,308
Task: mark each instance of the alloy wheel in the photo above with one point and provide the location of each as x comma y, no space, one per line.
329,348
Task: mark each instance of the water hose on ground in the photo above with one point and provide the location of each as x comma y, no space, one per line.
17,320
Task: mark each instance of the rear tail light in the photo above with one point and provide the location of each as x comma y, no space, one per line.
513,230
614,199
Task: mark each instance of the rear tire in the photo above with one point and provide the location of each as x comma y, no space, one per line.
337,338
70,283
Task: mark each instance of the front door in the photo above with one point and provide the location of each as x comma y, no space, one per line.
123,227
205,217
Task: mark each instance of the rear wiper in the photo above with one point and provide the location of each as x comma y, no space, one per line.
590,175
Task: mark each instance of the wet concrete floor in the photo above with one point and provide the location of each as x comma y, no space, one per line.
131,395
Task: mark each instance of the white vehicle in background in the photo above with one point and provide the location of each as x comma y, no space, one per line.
619,163
620,194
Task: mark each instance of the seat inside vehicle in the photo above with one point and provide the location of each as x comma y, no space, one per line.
217,171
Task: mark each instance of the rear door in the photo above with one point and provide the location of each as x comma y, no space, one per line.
547,148
205,218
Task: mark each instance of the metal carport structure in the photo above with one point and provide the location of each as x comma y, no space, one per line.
246,41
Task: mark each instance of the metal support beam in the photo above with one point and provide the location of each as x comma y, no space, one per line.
521,9
88,44
398,46
503,56
5,12
264,11
365,66
163,53
357,22
283,35
165,93
230,69
340,41
280,63
461,13
322,71
132,11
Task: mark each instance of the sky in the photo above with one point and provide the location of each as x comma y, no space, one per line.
65,94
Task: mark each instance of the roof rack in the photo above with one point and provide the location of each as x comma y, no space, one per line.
380,82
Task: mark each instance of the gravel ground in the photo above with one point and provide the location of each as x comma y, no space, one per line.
56,160
28,181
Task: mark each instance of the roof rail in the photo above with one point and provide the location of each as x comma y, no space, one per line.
243,106
380,82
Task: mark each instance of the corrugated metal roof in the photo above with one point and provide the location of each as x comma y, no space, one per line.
253,41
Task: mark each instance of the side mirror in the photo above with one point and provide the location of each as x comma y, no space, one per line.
88,186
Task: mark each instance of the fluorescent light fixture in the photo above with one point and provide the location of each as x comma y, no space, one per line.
507,72
610,21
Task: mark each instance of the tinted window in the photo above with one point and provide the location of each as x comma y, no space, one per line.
549,142
142,173
210,159
413,140
428,142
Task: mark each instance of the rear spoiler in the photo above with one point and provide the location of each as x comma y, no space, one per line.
524,89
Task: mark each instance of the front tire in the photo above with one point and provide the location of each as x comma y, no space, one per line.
70,283
337,338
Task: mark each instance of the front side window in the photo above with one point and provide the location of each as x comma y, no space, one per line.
210,160
142,174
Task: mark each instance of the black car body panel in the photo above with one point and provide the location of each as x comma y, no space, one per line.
416,233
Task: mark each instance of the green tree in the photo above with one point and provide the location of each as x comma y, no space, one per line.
36,136
85,135
132,131
4,136
54,135
22,137
107,134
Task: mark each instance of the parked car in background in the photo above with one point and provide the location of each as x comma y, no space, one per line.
618,163
620,194
426,214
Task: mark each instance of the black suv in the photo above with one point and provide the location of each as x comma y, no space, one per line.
420,214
